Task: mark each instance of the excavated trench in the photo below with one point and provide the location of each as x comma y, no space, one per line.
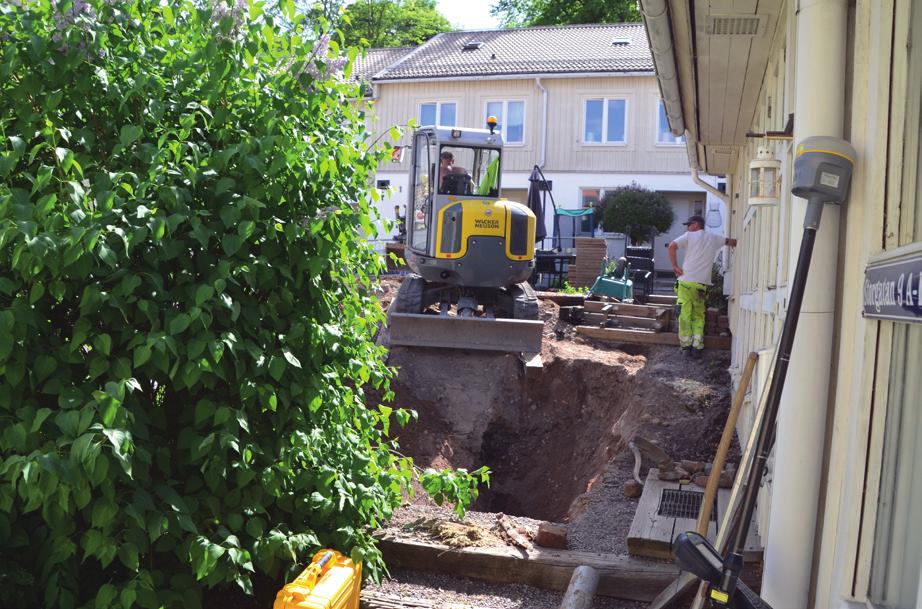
545,437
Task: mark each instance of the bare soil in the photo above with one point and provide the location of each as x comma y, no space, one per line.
556,441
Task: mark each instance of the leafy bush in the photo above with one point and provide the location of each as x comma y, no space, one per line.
569,289
637,212
185,305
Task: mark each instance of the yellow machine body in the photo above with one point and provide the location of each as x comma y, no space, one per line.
331,581
485,218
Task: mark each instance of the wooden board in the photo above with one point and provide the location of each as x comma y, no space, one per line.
617,321
620,308
568,300
651,534
619,576
651,338
662,299
378,600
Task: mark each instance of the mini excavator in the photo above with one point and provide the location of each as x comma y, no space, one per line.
471,251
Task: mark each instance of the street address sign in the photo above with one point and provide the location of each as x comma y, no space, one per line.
893,290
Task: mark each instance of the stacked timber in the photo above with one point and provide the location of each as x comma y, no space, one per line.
590,252
618,315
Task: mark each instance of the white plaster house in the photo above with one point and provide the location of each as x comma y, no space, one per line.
840,510
581,102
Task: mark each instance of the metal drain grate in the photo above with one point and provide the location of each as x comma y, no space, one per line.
681,504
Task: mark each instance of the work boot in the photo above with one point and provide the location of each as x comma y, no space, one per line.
696,353
687,351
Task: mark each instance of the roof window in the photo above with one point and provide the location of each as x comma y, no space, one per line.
620,42
473,45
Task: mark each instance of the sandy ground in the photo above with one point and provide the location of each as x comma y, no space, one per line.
556,442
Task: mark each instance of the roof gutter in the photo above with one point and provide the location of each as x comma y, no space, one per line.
543,121
659,34
516,76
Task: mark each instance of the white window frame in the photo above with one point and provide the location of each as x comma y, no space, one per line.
605,100
677,140
504,119
438,111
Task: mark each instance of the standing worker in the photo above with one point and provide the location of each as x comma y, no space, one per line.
694,277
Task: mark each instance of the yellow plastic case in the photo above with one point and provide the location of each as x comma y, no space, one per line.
331,581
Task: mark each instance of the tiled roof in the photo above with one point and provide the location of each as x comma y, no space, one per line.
541,50
376,60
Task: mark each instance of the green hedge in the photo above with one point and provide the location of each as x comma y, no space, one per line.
186,311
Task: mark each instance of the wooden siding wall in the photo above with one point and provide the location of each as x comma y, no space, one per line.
396,103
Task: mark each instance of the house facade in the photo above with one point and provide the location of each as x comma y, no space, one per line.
746,81
580,102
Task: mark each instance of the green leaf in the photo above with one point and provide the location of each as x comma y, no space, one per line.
105,596
129,134
179,323
246,228
128,555
103,342
203,294
224,184
141,355
231,244
82,449
44,366
65,158
291,359
36,293
276,367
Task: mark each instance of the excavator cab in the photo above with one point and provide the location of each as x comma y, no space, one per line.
470,250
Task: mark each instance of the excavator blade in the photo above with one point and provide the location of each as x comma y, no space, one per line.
415,330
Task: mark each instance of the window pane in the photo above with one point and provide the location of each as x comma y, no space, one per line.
420,213
615,132
898,538
663,136
496,109
515,129
593,121
447,118
427,114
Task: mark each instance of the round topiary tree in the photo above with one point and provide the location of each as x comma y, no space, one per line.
637,212
186,314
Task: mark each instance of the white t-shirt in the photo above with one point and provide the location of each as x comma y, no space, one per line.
701,248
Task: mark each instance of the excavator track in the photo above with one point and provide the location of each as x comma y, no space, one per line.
410,296
524,301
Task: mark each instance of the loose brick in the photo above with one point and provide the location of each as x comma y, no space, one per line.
633,489
551,535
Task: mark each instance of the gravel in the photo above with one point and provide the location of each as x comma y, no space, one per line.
475,594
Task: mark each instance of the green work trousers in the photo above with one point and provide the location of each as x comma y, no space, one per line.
691,318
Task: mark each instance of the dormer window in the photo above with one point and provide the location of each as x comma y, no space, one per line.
472,46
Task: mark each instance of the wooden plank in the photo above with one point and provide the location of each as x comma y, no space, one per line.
619,308
378,600
619,576
650,535
675,591
662,299
564,300
722,343
649,323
